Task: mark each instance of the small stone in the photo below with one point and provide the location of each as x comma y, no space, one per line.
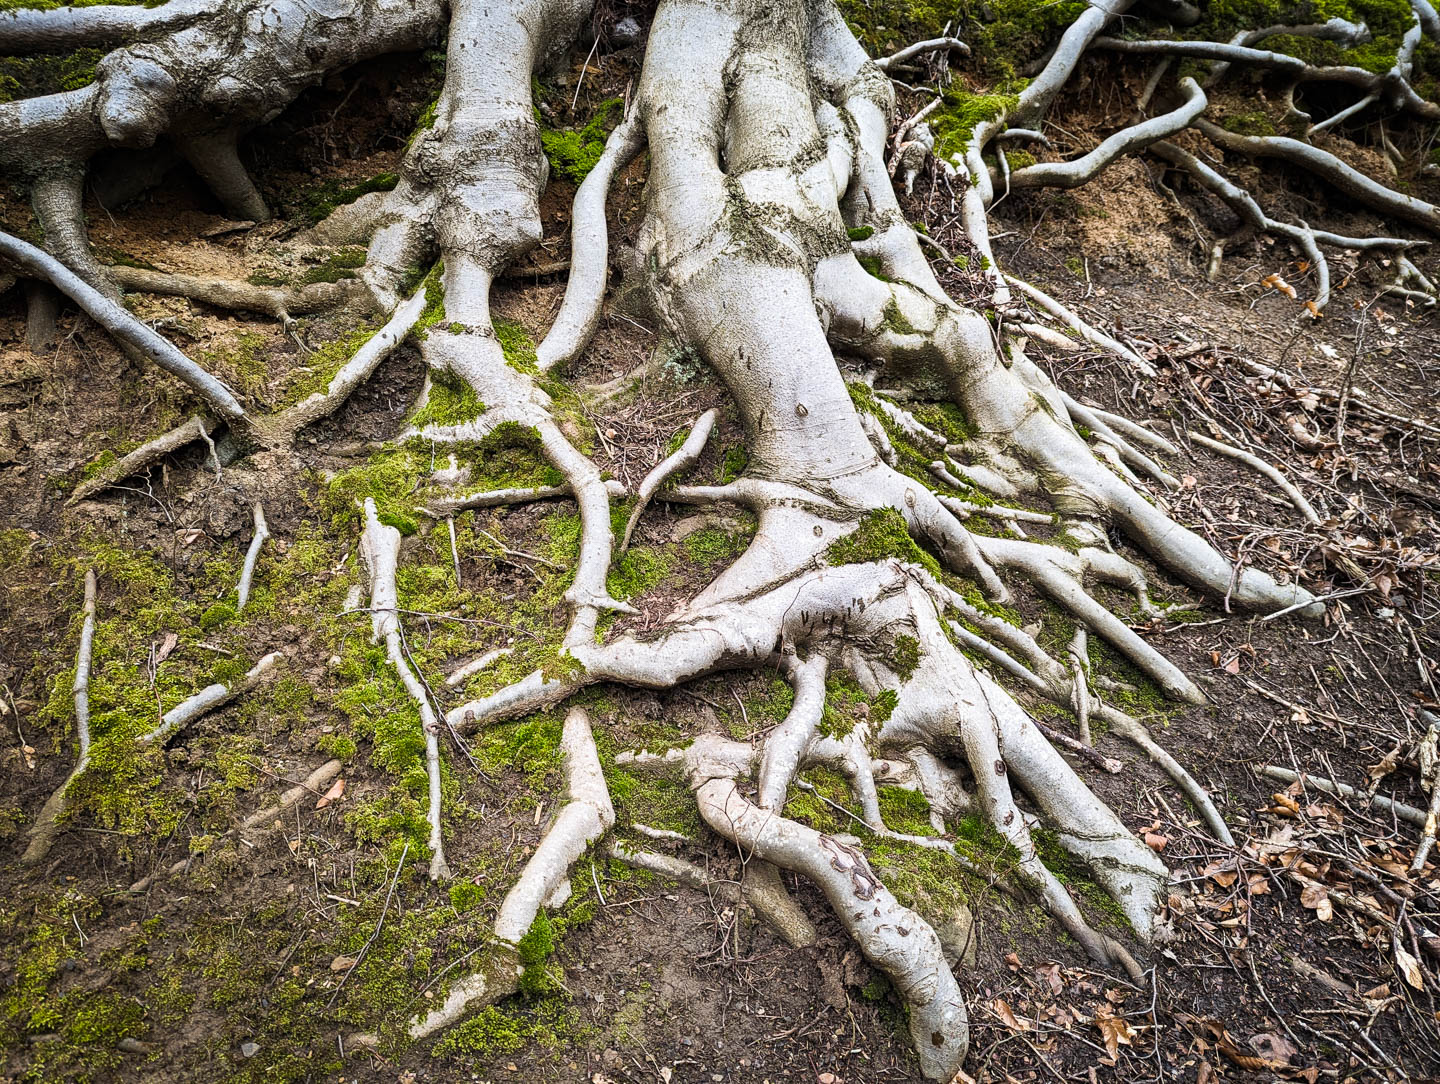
626,32
249,1050
957,937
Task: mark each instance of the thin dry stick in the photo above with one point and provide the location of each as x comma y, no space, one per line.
385,910
454,550
1428,752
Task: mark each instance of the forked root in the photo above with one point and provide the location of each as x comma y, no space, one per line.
585,817
682,457
893,938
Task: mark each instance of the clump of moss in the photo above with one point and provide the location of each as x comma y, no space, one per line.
519,348
434,311
881,534
390,476
733,464
861,233
846,705
905,811
821,806
222,613
573,154
466,895
335,267
709,546
36,76
547,1023
874,269
1257,123
316,204
894,320
322,365
451,402
905,656
955,120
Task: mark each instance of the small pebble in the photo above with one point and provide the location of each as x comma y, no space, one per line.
626,32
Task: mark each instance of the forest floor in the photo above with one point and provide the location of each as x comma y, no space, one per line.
1294,956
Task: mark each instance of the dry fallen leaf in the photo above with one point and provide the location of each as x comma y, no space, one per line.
166,646
1275,282
1317,899
1007,1015
1155,841
1273,1047
1410,968
1221,876
343,963
1114,1031
334,794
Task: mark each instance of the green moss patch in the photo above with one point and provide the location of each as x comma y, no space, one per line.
573,154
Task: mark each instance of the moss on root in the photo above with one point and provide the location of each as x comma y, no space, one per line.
573,154
881,534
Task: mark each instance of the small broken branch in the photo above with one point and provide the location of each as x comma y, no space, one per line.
247,571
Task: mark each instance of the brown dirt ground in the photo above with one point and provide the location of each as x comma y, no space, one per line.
665,983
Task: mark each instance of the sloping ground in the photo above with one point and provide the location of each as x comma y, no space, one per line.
1291,956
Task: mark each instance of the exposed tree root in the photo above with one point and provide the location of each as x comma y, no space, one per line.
1344,790
47,824
247,570
380,549
583,819
211,698
119,323
683,457
770,181
585,291
1260,466
279,302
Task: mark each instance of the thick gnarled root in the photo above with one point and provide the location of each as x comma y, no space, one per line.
893,938
945,704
